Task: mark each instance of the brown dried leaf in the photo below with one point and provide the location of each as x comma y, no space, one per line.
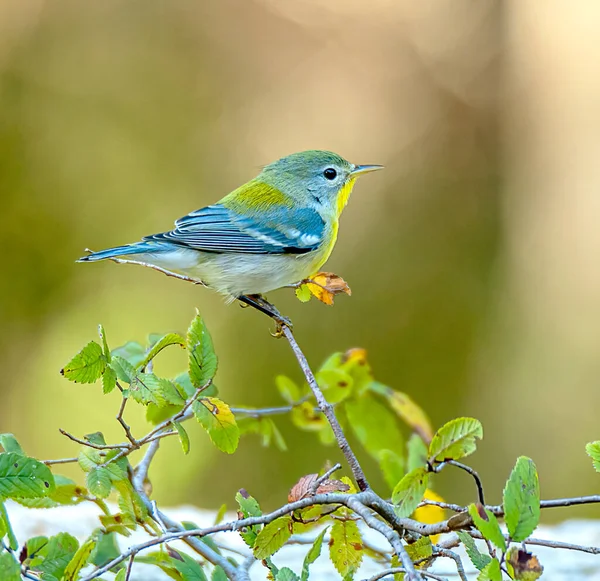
325,285
526,566
305,487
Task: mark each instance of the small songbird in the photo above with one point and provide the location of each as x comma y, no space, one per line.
274,231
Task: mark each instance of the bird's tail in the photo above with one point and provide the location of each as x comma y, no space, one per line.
128,250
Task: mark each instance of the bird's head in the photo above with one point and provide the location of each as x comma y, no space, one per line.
320,178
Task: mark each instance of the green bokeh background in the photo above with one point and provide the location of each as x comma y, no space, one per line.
118,117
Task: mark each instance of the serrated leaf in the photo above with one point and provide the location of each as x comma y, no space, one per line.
106,549
80,559
66,492
130,501
479,560
593,451
109,380
345,547
248,507
313,554
159,345
121,575
25,477
487,524
391,466
491,572
87,366
455,440
287,388
147,388
374,425
272,537
286,574
409,492
202,358
217,419
106,350
184,439
98,482
10,570
521,500
124,370
52,559
89,458
10,444
219,574
420,549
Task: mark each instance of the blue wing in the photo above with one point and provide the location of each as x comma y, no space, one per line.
220,229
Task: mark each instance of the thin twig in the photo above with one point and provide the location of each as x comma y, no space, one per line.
59,461
444,505
395,570
129,567
459,566
91,444
124,425
475,476
321,479
327,410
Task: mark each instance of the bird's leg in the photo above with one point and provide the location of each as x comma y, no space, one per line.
261,304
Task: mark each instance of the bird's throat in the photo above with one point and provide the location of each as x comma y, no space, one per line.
343,195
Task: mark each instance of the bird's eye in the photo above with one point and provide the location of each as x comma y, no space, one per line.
330,173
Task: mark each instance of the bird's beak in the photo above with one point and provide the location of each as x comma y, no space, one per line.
361,169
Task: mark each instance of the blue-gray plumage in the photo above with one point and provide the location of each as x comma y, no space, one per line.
273,231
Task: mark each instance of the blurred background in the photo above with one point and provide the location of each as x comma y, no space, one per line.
473,258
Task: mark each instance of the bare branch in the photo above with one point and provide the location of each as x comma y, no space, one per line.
395,570
141,470
59,461
91,444
321,479
459,566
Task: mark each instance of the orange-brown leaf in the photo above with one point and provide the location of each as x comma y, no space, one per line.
305,487
325,285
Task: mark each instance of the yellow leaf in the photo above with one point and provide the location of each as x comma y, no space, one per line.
430,514
324,286
411,413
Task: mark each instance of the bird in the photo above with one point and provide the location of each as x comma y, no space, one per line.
274,231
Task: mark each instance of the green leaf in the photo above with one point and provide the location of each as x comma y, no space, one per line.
165,341
216,418
87,366
10,444
124,370
52,559
89,458
391,466
421,549
409,492
80,558
248,507
202,358
98,482
184,439
189,568
288,389
374,425
313,554
455,440
272,537
6,529
487,524
336,384
491,572
521,500
109,380
593,451
25,477
303,293
9,568
147,388
219,574
66,492
102,335
286,574
479,560
345,547
121,575
133,352
416,452
130,501
106,549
